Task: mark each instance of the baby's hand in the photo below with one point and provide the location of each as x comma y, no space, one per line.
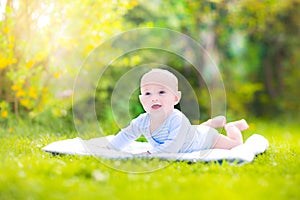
144,153
106,147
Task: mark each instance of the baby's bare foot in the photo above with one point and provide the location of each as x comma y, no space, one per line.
216,122
241,124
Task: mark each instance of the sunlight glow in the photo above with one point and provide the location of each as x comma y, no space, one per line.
43,21
2,9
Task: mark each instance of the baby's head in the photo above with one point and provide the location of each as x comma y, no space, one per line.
161,77
159,90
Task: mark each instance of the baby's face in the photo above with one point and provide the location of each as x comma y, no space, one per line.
157,99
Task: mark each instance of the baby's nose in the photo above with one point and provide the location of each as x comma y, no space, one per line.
155,99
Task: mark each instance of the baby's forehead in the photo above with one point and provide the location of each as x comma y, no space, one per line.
153,87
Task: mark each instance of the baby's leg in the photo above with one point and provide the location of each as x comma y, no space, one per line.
234,138
216,122
234,133
241,124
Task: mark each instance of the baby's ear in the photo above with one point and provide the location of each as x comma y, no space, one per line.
140,97
177,97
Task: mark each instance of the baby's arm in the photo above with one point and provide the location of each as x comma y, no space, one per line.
125,136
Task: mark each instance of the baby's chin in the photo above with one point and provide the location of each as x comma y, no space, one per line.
160,112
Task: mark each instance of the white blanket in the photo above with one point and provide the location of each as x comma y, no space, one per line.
254,145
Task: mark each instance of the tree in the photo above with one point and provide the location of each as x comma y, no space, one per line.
253,42
43,44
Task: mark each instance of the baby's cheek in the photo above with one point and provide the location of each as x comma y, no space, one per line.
145,106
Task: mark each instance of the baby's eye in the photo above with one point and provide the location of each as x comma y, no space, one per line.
162,92
147,93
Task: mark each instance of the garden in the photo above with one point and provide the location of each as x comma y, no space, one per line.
71,69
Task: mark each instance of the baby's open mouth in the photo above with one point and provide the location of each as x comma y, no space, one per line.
156,106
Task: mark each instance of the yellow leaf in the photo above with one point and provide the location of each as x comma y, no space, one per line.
40,56
25,103
3,62
88,49
5,30
57,75
11,38
134,3
4,114
32,93
16,87
29,64
20,93
11,46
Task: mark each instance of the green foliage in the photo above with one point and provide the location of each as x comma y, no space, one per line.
43,44
254,43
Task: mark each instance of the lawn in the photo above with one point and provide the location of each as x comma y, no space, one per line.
29,173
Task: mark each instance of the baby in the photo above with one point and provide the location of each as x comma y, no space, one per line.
167,129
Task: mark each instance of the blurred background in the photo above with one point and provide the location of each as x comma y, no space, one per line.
43,44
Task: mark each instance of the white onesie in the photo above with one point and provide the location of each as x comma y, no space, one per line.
175,135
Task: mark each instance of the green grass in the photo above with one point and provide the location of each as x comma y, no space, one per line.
26,172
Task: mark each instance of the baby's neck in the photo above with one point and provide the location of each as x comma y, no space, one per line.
157,120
